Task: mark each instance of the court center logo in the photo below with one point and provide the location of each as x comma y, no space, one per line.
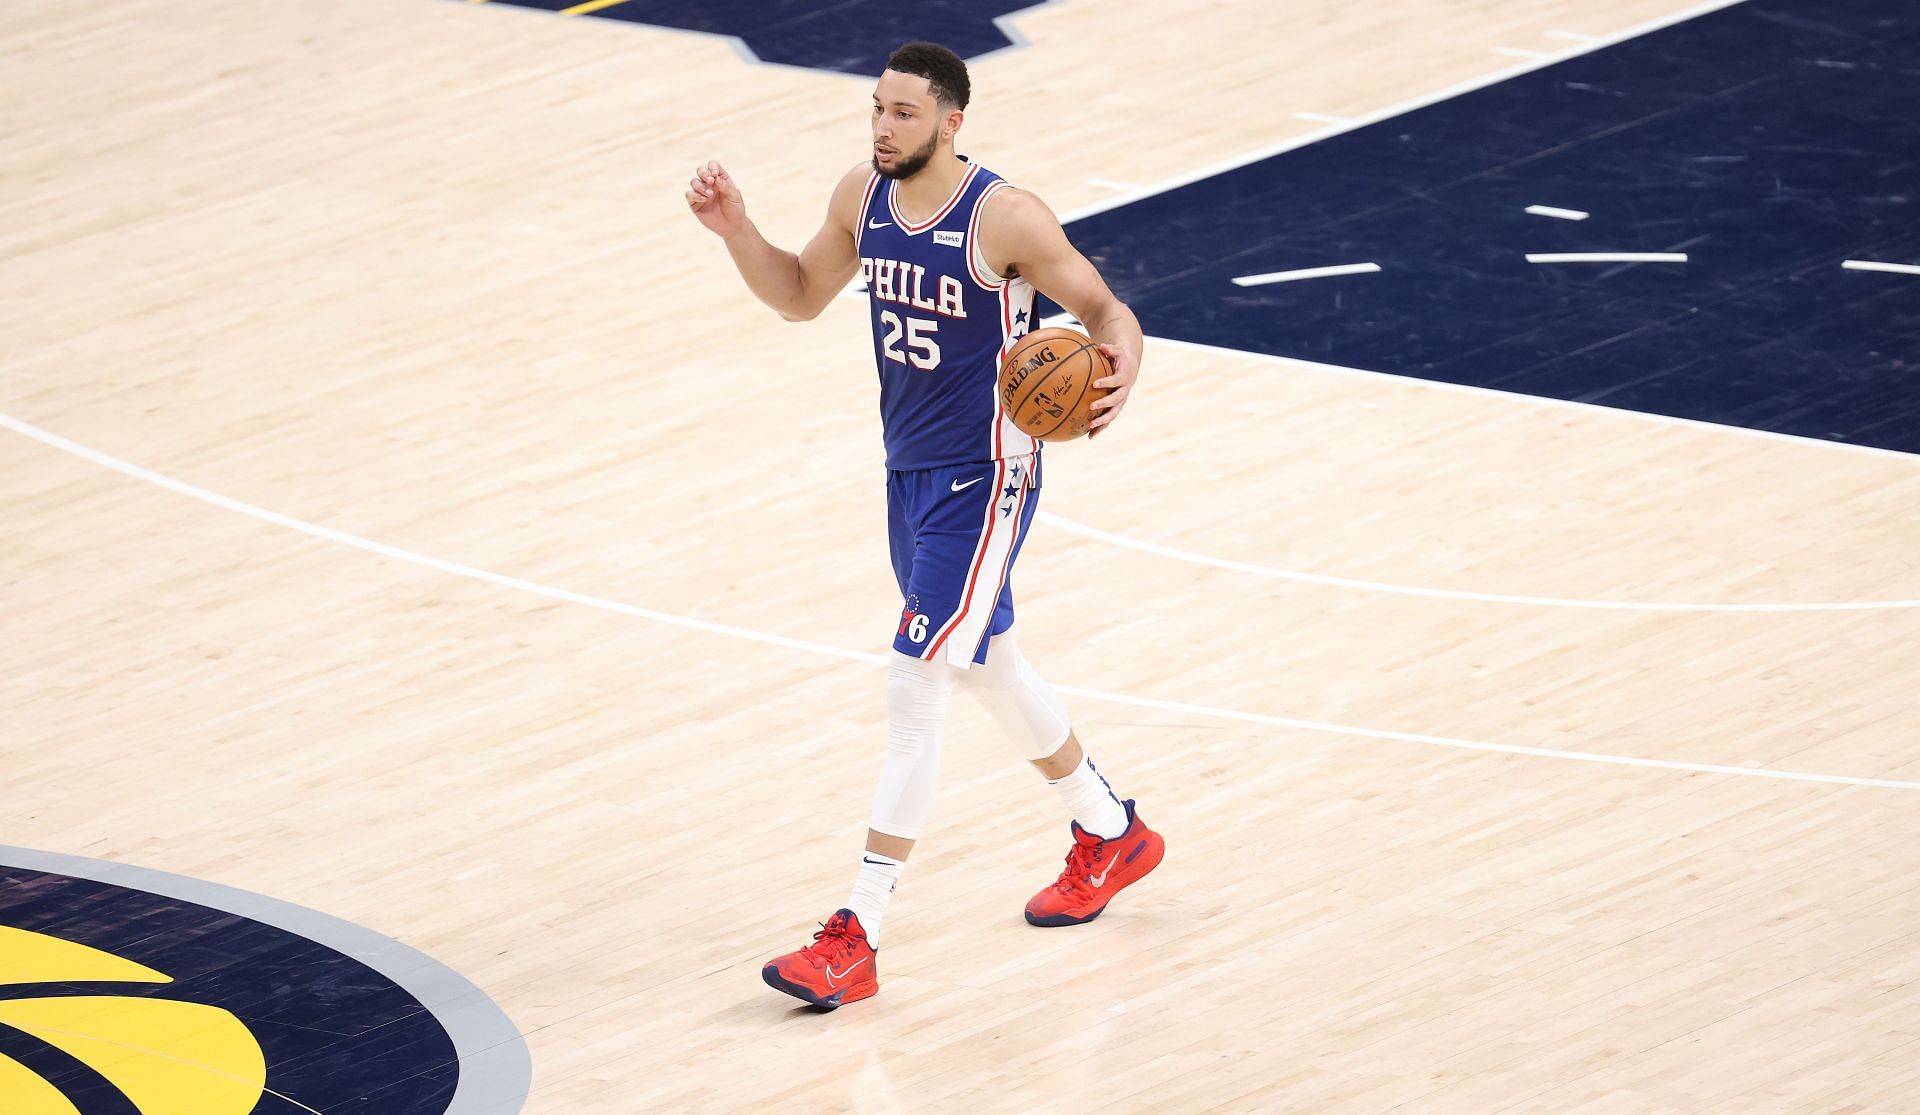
132,992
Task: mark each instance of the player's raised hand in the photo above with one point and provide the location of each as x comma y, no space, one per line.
1107,407
715,200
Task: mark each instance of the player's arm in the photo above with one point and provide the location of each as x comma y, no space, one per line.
1020,235
798,286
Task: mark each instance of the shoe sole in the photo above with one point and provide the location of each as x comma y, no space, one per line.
823,1005
1054,921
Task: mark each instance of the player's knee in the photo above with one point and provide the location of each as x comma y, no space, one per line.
917,695
1019,700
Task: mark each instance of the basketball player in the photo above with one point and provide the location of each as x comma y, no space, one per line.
952,256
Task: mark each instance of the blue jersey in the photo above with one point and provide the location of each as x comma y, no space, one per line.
941,323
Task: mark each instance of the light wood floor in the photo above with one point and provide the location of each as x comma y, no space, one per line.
419,272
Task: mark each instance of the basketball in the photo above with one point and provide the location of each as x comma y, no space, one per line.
1046,383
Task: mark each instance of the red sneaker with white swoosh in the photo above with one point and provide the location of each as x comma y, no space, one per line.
838,968
1096,871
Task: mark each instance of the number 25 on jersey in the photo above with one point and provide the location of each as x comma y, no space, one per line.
922,351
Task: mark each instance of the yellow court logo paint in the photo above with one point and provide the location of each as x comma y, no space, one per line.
168,1058
125,991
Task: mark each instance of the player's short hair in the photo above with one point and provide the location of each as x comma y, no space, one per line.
944,70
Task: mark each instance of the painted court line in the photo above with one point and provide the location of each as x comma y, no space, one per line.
1268,571
1292,362
398,554
1400,109
1606,257
1554,211
1474,745
1889,268
1306,273
316,531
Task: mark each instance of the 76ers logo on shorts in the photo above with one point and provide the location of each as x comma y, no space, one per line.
913,623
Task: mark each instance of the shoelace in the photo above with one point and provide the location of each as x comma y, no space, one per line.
831,945
1081,860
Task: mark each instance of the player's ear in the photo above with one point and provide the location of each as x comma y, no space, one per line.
953,122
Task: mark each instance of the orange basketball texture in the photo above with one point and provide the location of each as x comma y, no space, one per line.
1046,383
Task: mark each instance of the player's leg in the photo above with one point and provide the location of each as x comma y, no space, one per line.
840,967
1112,847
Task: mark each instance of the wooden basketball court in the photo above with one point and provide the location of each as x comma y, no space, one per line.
410,515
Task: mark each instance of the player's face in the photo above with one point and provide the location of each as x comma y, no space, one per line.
906,125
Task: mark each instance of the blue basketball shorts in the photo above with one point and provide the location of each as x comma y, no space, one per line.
954,534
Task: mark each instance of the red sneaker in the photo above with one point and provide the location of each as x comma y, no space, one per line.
1096,871
837,968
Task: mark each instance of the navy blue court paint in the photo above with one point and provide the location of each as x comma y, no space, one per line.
1770,141
849,36
334,1032
345,1020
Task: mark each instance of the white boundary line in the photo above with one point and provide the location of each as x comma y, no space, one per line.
1874,265
327,533
398,554
1307,273
1589,44
1399,109
1454,594
1556,211
1606,257
1538,400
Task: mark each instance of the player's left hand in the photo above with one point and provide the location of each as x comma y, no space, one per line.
1117,386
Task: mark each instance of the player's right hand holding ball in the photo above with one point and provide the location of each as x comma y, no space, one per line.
715,200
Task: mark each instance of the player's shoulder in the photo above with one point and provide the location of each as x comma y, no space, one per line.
853,184
1013,210
847,193
855,179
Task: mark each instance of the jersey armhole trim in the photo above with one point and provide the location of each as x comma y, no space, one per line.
866,207
976,260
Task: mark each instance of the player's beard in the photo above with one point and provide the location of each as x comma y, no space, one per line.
910,165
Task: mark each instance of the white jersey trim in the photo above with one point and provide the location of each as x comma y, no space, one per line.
1007,435
983,556
984,278
959,192
963,633
866,207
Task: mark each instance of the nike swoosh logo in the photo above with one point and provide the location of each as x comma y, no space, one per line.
959,487
882,224
1099,880
836,977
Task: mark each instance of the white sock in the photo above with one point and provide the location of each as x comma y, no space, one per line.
872,890
1091,800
